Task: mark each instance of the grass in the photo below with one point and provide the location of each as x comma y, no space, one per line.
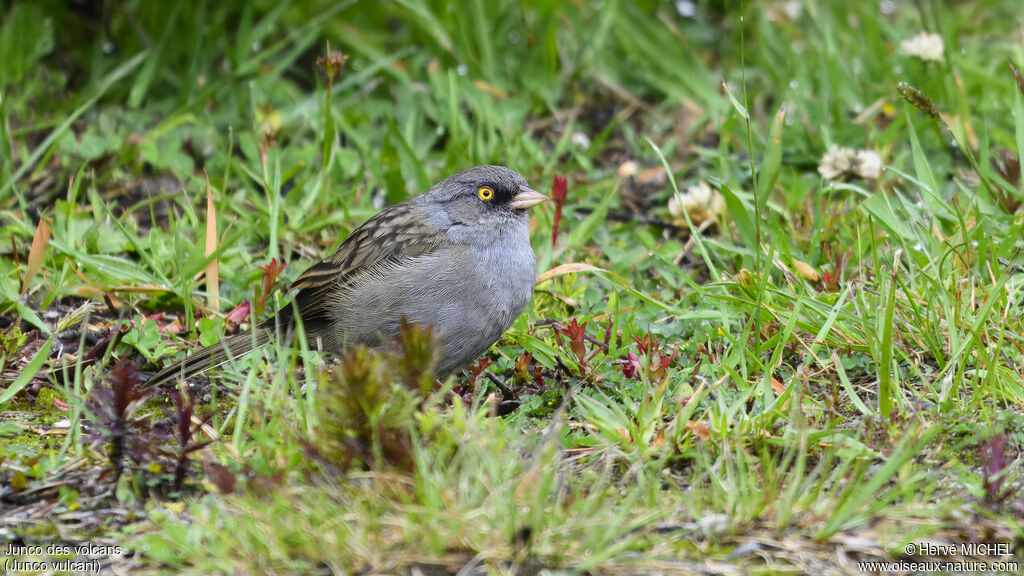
803,374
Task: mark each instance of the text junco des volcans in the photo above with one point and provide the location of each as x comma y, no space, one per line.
457,258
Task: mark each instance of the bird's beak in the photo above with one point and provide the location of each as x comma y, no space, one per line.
526,198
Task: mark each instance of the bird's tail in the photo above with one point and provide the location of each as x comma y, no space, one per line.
213,356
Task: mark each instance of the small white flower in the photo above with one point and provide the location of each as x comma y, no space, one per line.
701,201
700,194
840,162
673,207
628,168
924,46
792,10
686,8
580,139
836,162
868,164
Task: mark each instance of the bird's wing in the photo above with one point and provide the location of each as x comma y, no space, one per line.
395,234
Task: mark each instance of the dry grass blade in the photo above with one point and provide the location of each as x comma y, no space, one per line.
40,242
563,269
1018,78
212,277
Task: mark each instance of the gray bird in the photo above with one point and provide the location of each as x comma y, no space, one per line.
456,258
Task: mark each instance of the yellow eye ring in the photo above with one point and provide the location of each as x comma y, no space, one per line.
485,193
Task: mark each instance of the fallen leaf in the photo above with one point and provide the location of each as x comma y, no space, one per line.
777,387
40,242
700,429
571,268
804,269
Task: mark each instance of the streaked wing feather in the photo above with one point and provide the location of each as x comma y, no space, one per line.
394,234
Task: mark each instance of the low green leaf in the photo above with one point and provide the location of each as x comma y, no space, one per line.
27,373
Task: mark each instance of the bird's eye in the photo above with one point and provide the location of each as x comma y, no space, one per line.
485,193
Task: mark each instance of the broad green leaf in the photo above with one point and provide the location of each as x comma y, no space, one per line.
27,373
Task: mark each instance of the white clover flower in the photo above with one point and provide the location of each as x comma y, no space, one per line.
792,9
836,162
840,162
928,47
673,207
580,139
868,164
702,203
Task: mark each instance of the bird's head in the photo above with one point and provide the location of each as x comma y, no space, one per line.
485,194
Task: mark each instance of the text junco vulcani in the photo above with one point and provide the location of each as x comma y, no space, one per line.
457,258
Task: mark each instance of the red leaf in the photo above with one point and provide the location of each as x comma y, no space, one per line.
632,367
270,273
645,344
523,362
993,461
220,475
559,191
575,332
240,313
161,322
538,377
478,368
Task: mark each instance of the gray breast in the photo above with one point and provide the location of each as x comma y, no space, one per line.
469,294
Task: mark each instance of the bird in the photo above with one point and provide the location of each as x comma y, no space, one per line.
456,259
